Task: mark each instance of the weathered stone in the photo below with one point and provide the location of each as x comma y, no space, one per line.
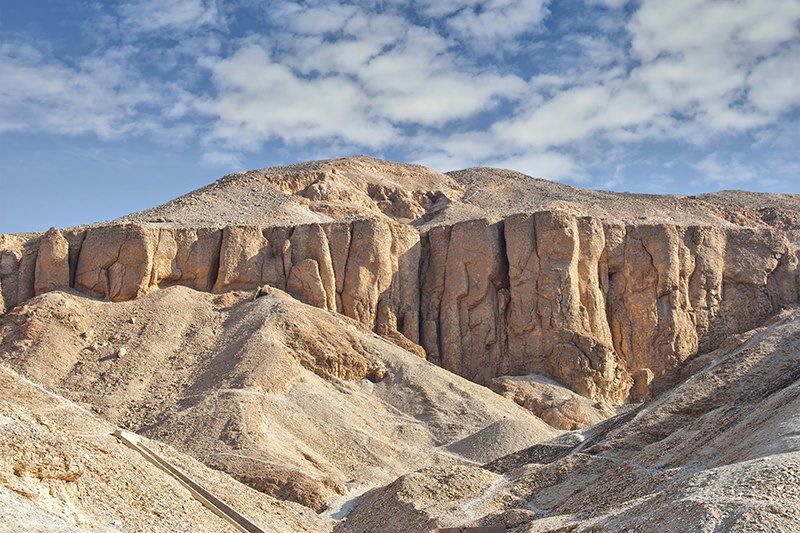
641,384
305,283
368,271
243,258
187,256
310,243
115,261
592,304
52,263
12,249
465,296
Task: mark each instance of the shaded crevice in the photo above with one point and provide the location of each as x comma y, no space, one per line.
212,278
344,268
73,261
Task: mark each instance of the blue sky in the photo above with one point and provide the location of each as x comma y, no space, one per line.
112,107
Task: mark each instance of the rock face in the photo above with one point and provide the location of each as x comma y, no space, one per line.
52,263
595,306
556,405
365,269
606,306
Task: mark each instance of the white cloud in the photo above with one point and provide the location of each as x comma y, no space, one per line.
98,95
576,113
746,28
259,100
713,168
420,77
153,15
613,4
775,83
695,63
303,19
486,24
354,76
217,158
550,165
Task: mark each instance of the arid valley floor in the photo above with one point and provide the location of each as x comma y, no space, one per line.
356,345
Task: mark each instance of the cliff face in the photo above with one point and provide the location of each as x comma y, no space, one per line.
604,308
488,272
366,269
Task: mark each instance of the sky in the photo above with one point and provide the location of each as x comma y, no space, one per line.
112,107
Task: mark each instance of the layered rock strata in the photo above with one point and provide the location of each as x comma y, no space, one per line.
603,307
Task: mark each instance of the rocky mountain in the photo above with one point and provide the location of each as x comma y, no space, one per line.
718,452
355,326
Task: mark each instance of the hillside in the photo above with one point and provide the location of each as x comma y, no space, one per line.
62,470
292,400
355,343
719,452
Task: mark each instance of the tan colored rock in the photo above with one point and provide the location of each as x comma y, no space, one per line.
705,283
642,379
244,257
398,307
464,298
305,283
368,270
186,256
555,404
292,400
17,268
582,289
52,263
116,261
338,235
650,308
509,299
309,244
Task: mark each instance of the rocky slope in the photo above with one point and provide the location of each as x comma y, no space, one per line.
719,452
62,470
490,272
303,329
297,402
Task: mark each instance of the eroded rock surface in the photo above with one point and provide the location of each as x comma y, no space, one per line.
594,305
603,304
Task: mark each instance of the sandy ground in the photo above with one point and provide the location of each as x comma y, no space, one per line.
62,470
719,452
281,395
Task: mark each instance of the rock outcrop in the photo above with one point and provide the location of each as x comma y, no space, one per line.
365,269
595,305
52,263
604,305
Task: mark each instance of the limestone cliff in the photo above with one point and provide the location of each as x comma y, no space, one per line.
574,285
604,308
365,269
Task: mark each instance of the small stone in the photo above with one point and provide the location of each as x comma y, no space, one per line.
377,374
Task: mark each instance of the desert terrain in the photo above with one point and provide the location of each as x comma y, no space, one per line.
359,345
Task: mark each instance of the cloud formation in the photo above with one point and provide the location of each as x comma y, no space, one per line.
175,15
99,94
517,83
